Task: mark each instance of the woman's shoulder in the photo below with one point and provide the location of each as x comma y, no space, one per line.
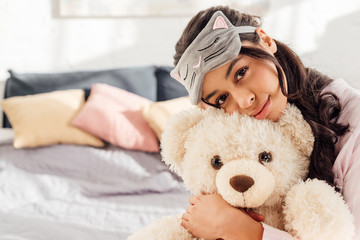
349,98
342,89
347,165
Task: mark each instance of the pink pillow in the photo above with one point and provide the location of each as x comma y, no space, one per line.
114,115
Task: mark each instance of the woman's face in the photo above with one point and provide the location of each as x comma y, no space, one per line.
246,85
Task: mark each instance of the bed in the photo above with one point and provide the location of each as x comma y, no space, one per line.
74,191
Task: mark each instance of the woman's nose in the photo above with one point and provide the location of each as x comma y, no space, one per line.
244,100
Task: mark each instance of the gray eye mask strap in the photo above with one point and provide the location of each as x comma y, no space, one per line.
217,44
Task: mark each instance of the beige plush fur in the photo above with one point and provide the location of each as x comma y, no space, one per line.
307,209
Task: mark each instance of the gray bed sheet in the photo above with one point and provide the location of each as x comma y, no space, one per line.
81,192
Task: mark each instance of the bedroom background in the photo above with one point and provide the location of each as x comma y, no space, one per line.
34,38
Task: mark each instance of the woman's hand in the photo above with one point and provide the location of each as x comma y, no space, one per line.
256,216
211,217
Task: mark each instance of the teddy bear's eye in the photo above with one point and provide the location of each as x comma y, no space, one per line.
265,157
216,162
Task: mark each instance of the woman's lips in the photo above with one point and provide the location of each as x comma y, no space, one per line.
264,110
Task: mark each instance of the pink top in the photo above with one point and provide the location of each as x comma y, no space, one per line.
347,164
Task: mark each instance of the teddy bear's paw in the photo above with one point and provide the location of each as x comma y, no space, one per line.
314,210
166,228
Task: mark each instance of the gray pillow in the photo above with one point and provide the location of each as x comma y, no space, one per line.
139,80
167,87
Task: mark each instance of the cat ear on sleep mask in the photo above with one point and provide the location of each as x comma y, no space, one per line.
217,44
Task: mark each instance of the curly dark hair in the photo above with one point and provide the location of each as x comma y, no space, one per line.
304,87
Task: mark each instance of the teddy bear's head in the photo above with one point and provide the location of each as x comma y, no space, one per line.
250,162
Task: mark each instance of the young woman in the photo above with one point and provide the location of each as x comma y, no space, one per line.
241,68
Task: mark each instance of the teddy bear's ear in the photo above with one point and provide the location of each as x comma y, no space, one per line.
175,135
293,123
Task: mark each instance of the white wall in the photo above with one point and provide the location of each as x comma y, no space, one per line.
32,39
324,33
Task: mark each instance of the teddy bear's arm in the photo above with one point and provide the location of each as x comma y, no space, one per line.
314,210
165,228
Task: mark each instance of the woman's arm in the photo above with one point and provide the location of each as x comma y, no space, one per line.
347,164
349,161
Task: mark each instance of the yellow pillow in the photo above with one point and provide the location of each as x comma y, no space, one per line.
45,119
157,113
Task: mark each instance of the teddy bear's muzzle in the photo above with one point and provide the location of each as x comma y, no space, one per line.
245,183
241,183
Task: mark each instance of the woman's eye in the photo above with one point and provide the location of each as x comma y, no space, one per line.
239,74
221,99
216,162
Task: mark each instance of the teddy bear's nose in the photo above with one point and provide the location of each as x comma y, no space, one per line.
241,183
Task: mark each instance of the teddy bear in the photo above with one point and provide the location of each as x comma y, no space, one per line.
258,164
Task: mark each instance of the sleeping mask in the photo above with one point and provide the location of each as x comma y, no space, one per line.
217,44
